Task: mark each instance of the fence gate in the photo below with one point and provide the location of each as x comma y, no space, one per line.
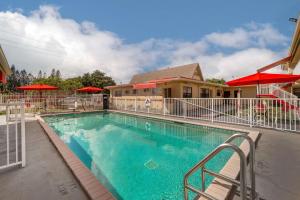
12,135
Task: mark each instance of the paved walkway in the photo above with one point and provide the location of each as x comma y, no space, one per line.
45,177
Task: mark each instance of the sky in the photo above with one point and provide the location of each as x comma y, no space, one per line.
227,38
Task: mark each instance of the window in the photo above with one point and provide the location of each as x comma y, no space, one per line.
154,91
187,92
127,92
219,92
235,93
167,92
204,93
134,91
118,93
226,94
146,90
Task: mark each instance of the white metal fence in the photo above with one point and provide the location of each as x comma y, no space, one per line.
283,114
12,135
138,104
55,103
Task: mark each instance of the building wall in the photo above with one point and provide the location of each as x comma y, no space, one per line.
246,92
176,90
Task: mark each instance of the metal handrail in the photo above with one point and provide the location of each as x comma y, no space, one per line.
202,163
251,159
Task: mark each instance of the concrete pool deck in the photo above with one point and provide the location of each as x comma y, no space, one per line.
46,176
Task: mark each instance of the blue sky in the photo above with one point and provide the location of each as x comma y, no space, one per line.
136,20
145,35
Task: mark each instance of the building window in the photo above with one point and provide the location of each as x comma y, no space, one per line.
127,92
204,93
235,93
134,91
154,91
167,93
187,92
226,94
219,92
118,93
146,90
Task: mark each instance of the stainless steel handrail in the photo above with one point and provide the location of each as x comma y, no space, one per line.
201,164
251,159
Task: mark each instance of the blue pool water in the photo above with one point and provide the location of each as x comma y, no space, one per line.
140,158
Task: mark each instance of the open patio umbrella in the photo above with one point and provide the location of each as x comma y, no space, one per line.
90,89
37,87
263,78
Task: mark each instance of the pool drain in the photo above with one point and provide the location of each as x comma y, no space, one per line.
150,164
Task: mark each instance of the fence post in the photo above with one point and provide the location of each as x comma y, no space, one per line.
7,112
164,106
23,143
212,110
251,113
185,109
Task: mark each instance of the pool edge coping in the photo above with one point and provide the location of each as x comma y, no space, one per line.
88,181
231,168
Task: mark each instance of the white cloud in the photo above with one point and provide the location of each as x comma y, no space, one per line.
251,35
44,39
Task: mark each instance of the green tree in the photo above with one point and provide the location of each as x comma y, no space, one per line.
53,72
72,84
97,79
40,74
215,80
57,74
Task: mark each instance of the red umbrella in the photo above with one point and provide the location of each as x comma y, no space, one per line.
263,78
39,87
90,89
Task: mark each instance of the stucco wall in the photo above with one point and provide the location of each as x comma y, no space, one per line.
246,92
176,90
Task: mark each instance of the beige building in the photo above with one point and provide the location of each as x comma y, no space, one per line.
184,81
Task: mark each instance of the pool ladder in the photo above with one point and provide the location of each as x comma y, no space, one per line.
242,183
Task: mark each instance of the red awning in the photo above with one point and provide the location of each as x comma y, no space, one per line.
263,78
37,87
90,89
144,85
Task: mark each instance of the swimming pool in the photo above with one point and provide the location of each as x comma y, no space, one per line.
140,158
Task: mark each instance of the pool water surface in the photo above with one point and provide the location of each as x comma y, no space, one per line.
140,158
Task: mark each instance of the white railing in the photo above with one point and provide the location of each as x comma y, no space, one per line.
55,103
152,105
260,112
12,147
272,89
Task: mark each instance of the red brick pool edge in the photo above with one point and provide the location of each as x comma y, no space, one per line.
93,188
